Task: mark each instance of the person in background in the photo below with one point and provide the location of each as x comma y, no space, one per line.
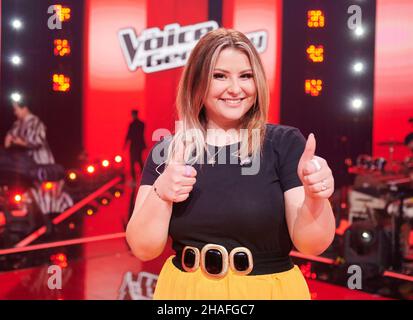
28,133
136,140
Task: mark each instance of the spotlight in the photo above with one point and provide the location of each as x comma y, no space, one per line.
72,176
61,47
358,67
59,259
117,193
90,210
366,244
61,82
48,185
17,198
104,201
118,159
90,169
105,163
16,97
315,19
313,87
63,12
359,32
366,236
16,60
315,53
357,103
17,24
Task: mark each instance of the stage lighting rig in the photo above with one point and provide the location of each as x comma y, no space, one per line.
313,87
61,47
61,82
315,19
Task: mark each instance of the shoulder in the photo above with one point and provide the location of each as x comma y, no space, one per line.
277,133
35,121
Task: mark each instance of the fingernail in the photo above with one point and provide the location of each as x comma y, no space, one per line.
187,171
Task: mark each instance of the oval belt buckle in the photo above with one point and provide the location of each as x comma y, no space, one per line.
243,255
214,261
194,260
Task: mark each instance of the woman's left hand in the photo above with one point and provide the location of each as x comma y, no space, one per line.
314,172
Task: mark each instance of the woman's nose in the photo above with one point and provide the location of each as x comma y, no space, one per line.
234,87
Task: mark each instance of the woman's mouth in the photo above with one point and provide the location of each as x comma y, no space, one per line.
232,102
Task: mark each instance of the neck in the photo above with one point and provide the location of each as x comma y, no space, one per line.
219,136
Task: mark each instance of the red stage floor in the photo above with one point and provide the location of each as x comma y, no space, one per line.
107,271
103,268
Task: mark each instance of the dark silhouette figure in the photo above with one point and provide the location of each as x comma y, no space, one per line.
135,138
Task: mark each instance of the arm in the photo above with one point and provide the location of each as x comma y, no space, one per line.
19,141
147,230
310,218
8,141
311,222
35,135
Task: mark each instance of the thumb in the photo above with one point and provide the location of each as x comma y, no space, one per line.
308,153
309,149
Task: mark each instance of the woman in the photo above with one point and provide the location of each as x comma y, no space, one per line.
232,232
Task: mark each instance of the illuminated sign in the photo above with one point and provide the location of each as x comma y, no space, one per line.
315,53
156,50
62,12
313,87
315,19
61,82
61,47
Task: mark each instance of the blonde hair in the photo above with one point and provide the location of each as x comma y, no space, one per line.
193,89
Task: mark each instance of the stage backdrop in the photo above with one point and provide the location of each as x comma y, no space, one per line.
393,98
125,69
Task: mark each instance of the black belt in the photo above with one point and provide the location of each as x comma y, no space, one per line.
213,259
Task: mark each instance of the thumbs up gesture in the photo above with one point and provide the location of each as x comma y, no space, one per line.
315,173
178,179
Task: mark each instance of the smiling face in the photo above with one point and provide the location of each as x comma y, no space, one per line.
232,91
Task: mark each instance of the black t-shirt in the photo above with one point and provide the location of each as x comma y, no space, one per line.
231,209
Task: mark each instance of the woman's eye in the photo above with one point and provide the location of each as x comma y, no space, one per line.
247,76
219,76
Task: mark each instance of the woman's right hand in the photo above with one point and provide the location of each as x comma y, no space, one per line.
178,179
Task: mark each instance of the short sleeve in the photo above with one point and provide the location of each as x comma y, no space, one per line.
290,148
155,162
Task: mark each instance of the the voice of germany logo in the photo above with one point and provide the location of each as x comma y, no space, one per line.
156,50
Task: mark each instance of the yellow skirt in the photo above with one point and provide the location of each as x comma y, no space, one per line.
174,284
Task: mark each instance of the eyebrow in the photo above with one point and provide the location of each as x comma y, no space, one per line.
226,71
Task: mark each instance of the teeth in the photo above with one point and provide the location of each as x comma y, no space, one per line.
232,101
